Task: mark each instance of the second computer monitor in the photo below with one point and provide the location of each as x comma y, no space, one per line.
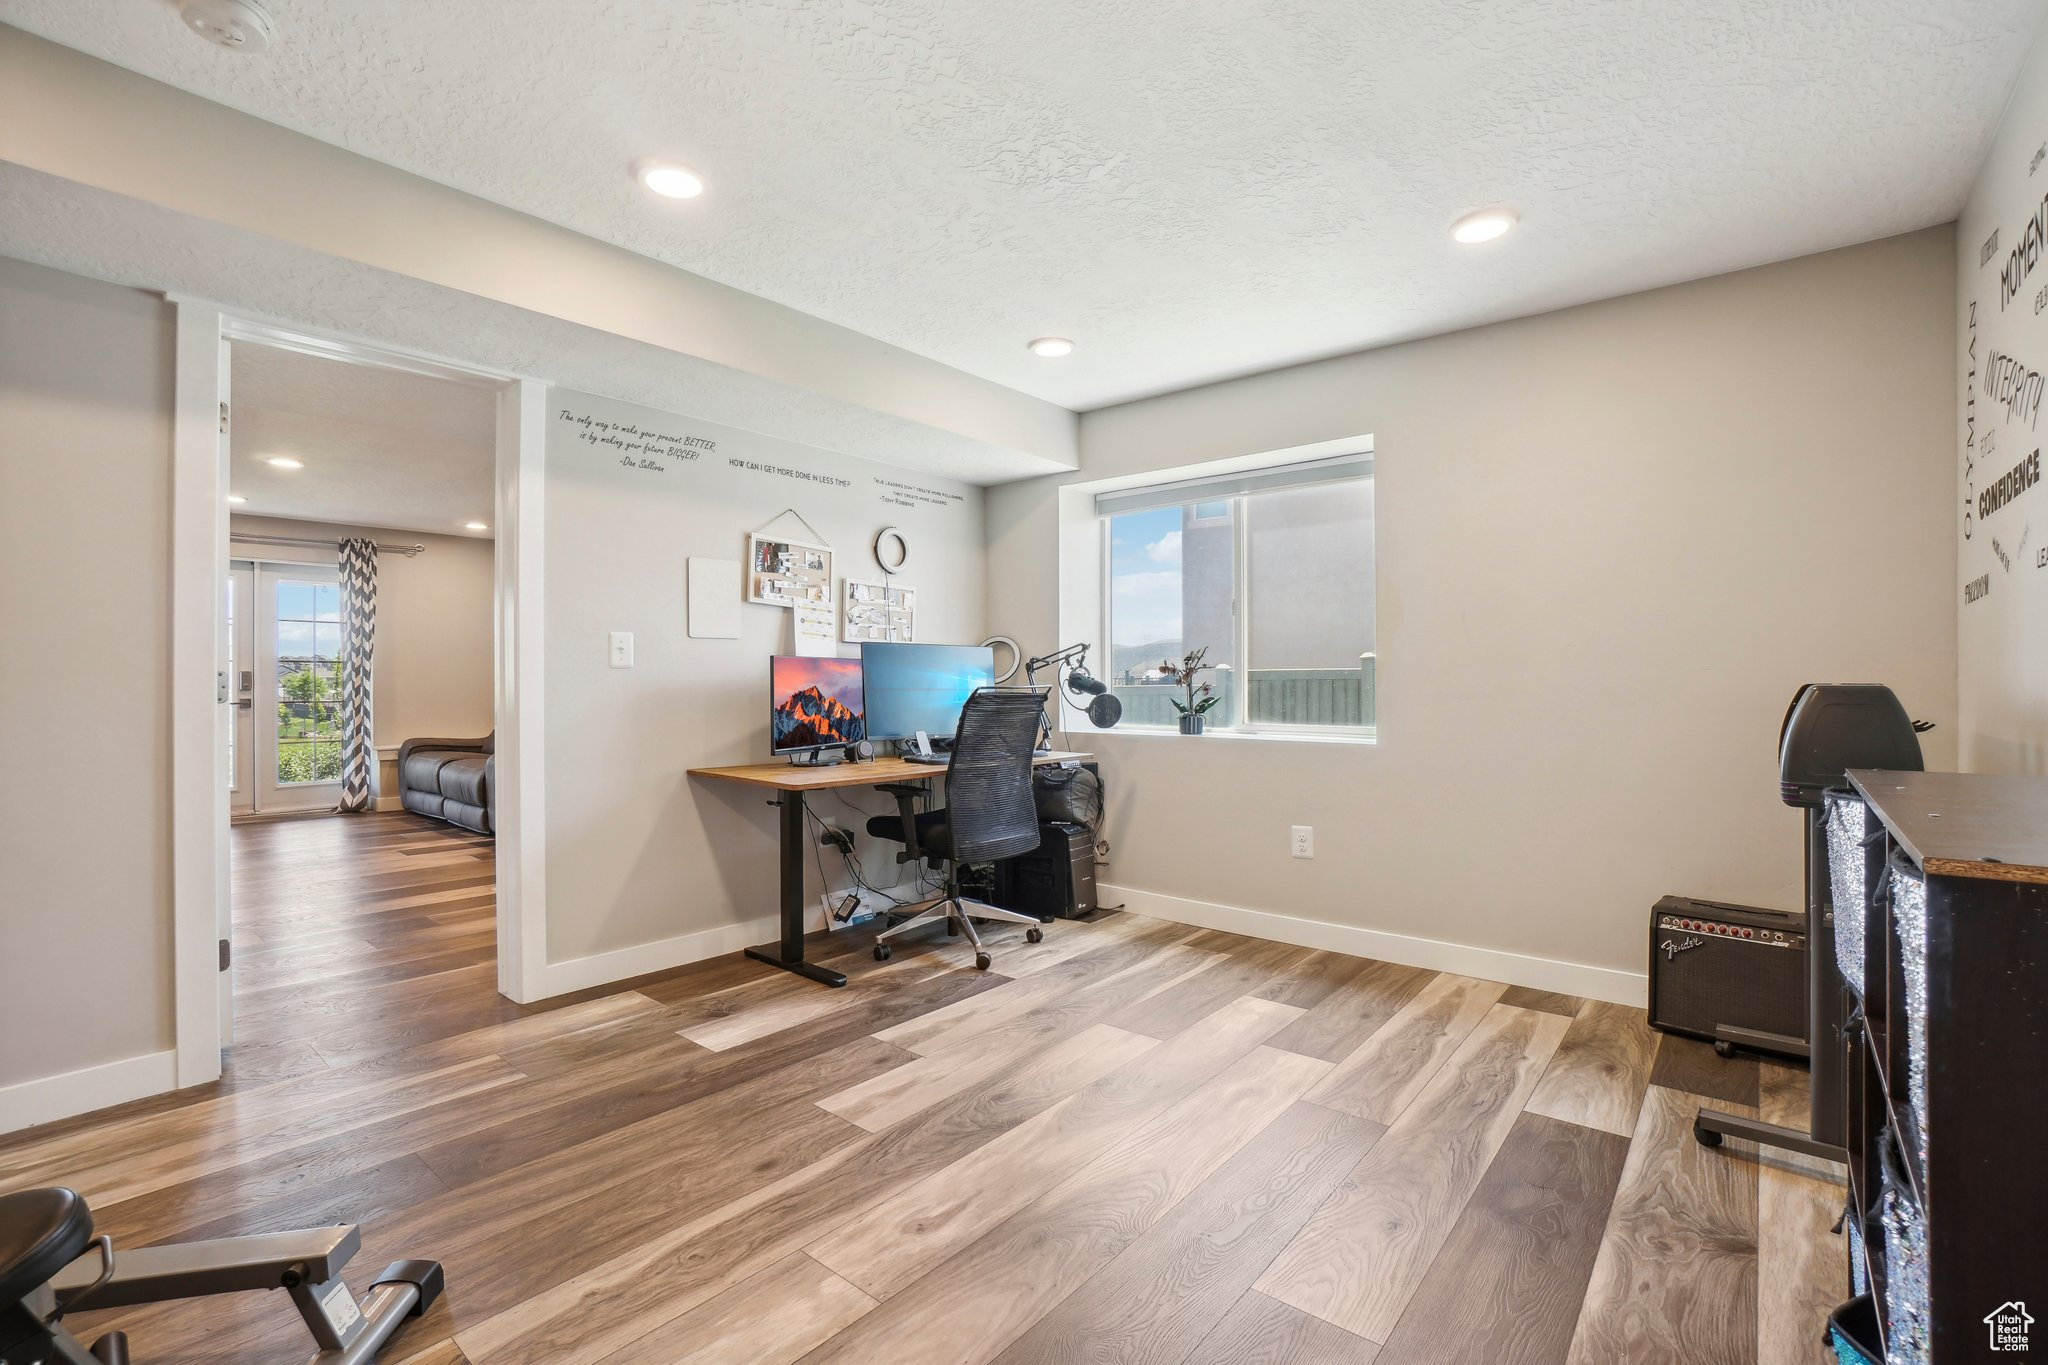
921,687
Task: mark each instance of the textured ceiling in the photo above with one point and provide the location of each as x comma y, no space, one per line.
380,447
1189,194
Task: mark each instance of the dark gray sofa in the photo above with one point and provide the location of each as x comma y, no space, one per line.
451,779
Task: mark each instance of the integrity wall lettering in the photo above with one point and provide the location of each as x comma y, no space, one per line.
2016,385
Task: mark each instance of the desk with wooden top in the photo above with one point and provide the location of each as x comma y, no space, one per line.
791,781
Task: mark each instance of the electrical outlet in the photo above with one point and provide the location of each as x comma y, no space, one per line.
833,836
1303,841
622,649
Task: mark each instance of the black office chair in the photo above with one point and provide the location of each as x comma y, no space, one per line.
990,812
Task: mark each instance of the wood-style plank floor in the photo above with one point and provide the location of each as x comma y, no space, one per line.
1133,1142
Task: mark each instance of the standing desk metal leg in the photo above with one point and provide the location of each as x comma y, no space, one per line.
789,953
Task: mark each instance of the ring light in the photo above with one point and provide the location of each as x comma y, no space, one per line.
1016,656
902,551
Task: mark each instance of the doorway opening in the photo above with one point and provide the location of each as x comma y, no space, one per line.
360,600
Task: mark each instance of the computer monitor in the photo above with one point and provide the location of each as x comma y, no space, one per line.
817,704
922,687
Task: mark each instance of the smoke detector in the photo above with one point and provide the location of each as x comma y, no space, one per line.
237,25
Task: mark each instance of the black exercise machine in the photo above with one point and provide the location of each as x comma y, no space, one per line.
1828,729
52,1264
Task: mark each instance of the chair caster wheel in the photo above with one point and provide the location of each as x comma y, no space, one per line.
1706,1137
952,928
1724,1049
983,961
1034,935
882,952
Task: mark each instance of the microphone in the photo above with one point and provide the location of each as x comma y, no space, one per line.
1106,709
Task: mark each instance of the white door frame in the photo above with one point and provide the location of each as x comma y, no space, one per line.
200,709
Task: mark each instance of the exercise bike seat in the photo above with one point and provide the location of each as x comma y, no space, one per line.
41,1232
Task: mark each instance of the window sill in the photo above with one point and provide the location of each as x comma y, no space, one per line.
1363,739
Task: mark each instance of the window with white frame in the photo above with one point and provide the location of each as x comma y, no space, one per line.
1271,573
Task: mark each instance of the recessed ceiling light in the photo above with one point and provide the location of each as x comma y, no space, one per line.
669,180
285,462
474,526
1484,225
236,497
1052,347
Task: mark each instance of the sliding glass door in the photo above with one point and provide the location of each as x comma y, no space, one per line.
296,688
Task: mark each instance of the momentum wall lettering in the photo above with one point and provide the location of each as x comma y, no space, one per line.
2026,254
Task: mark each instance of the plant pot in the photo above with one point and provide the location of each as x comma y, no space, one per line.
1191,725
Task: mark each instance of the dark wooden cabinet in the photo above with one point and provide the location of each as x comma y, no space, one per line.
1947,1069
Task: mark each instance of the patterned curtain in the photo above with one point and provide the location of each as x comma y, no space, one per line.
358,643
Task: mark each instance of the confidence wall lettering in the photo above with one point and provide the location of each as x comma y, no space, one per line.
2026,254
2012,383
2009,485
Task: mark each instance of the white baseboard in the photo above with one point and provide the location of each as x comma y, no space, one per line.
622,964
1490,964
29,1103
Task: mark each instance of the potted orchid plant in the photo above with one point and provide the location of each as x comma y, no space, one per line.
1201,695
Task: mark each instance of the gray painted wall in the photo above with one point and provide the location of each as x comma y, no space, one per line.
1612,542
85,552
638,852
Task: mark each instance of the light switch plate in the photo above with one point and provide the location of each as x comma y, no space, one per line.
622,649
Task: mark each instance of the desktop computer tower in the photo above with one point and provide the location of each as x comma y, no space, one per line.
1056,880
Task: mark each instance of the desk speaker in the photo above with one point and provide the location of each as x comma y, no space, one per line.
1713,964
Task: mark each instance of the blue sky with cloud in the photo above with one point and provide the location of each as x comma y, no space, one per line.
1144,576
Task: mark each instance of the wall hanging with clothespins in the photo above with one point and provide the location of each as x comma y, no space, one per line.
884,611
784,569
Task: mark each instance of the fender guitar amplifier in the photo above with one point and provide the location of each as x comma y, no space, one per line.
1713,964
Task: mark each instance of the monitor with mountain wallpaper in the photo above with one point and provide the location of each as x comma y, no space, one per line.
817,704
